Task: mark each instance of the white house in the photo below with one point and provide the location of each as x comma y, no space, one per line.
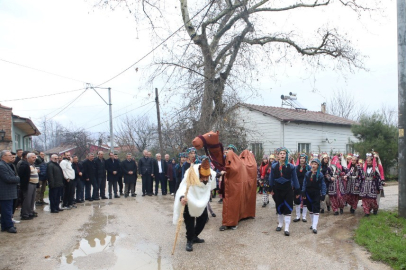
268,128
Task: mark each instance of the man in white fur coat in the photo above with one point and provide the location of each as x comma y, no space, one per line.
195,214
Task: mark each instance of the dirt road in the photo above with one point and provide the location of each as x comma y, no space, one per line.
137,233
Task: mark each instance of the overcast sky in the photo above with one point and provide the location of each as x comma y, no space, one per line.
86,44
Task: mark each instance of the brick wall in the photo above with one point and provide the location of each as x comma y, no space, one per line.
6,146
5,124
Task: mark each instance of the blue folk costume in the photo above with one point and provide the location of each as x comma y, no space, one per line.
301,172
282,179
314,191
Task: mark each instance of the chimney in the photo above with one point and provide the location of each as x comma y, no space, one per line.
323,107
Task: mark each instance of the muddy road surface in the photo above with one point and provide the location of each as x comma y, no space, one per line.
137,233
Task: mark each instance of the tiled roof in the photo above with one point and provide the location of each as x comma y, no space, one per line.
60,149
285,114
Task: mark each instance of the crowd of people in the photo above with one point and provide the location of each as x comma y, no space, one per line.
320,183
25,175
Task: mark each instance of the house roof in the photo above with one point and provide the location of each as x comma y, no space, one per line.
292,115
26,125
60,149
5,107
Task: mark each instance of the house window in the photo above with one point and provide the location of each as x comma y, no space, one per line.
256,149
349,148
303,148
17,141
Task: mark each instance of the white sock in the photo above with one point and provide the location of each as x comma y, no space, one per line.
298,211
315,221
280,221
311,217
287,223
304,212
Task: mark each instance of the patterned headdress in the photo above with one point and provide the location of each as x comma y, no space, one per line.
318,168
191,149
232,147
302,155
336,162
280,149
374,165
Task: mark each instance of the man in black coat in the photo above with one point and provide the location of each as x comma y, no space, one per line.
101,175
8,191
113,168
146,170
129,168
120,176
55,183
160,172
90,176
79,180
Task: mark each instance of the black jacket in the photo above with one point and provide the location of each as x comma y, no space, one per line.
24,172
8,182
163,165
100,168
55,175
89,169
127,166
111,166
146,166
78,167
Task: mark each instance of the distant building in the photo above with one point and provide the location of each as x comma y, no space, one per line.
267,128
61,150
15,131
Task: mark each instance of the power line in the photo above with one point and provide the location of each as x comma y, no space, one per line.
40,70
156,47
68,104
54,94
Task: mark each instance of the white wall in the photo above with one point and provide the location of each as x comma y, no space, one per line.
272,133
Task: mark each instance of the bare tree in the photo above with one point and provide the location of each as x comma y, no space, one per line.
216,53
389,114
51,135
79,138
134,134
343,103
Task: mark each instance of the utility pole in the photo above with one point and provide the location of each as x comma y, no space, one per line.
159,122
111,123
401,11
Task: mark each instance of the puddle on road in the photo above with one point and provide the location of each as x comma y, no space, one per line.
100,250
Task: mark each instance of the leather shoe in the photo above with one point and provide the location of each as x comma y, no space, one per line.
213,215
198,240
143,194
55,211
296,220
27,218
10,230
189,246
104,198
116,196
133,195
287,233
96,199
278,229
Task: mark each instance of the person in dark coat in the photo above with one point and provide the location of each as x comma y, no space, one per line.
90,176
129,169
112,167
29,180
40,162
170,167
19,153
8,191
160,170
55,183
101,175
146,170
80,182
120,176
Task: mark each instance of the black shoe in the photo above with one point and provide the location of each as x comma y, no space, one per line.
110,197
149,194
223,228
134,195
27,218
264,205
60,210
328,208
221,201
336,213
155,194
322,211
11,230
287,233
213,215
278,229
376,212
125,196
296,220
143,194
304,220
314,231
341,211
104,198
352,211
198,240
366,215
55,211
189,246
96,199
116,196
38,203
214,195
44,203
311,227
121,193
90,200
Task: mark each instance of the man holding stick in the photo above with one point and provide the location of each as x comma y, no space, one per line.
191,201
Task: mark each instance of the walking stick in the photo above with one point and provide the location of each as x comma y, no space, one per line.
190,181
